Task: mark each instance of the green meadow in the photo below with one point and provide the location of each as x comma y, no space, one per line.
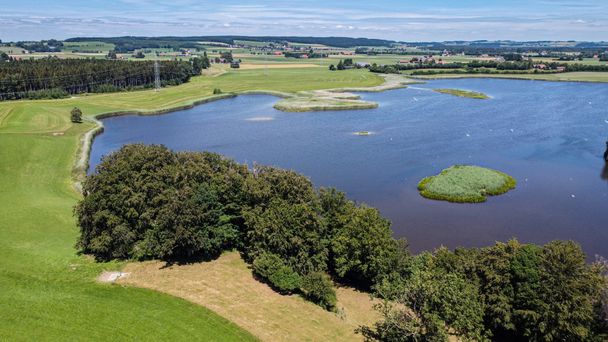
49,292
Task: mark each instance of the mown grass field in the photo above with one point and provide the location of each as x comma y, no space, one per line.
227,286
48,291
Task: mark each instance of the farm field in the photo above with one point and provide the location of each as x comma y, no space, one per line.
564,77
50,292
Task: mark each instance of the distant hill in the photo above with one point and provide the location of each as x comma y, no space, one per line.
127,43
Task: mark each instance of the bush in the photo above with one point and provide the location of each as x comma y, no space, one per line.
217,91
271,268
318,288
76,115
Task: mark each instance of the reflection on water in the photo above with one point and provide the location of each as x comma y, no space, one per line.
605,172
544,134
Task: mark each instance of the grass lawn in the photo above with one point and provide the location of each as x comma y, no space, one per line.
463,93
48,292
466,184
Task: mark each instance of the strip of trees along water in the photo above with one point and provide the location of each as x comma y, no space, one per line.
148,202
55,78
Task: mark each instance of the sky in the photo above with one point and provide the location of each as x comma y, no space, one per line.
421,20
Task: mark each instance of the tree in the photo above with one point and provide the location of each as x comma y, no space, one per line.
294,232
206,62
363,248
429,305
111,55
3,56
76,115
340,65
332,67
318,288
568,292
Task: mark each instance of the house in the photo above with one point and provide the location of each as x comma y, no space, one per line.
305,56
540,66
235,65
277,53
561,68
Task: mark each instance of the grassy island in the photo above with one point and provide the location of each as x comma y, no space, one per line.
466,184
463,93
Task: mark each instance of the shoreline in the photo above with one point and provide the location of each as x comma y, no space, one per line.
83,152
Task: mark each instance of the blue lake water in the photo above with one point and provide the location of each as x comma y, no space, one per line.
549,136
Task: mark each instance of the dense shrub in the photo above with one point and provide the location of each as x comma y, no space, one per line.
271,268
318,288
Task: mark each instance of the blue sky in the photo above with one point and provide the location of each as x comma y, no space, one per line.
421,20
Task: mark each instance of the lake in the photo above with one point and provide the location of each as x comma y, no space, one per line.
550,136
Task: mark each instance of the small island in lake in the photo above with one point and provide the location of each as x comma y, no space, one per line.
466,184
463,93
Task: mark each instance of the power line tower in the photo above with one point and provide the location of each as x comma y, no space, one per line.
156,75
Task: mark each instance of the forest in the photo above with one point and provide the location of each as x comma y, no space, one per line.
148,202
124,44
55,78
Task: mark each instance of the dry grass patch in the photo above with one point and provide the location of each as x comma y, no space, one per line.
227,286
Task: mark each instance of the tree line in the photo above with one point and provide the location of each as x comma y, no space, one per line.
53,77
148,202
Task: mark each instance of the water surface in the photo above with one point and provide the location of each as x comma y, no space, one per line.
549,136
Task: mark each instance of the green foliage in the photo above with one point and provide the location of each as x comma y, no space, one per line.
217,91
332,67
463,93
429,305
362,247
272,268
42,78
521,292
464,183
318,288
292,231
148,202
76,115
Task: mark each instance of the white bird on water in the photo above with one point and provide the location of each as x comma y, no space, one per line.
415,99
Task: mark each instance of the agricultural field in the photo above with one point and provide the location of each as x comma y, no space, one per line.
48,290
558,77
87,46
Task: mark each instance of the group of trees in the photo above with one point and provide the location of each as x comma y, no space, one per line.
125,44
344,64
507,292
149,202
52,77
51,45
